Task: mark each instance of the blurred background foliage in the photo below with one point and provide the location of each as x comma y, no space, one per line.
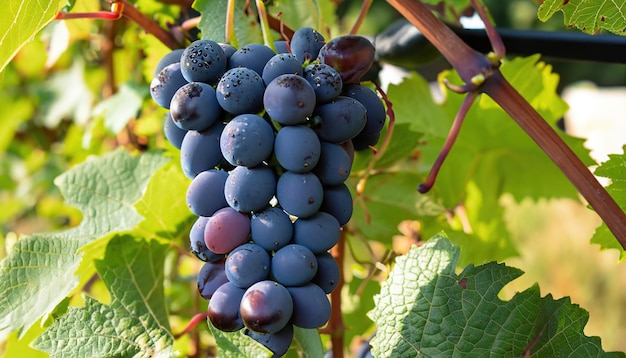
80,88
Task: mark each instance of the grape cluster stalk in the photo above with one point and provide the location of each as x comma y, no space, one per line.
267,139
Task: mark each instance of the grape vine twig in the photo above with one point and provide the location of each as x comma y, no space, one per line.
471,65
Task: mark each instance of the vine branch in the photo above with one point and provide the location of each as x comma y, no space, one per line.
469,64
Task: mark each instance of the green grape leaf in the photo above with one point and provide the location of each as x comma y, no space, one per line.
20,22
165,212
40,270
121,107
309,341
237,344
426,309
589,16
213,23
134,324
614,169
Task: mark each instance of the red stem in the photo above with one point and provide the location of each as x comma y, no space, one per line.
151,27
468,64
335,325
192,323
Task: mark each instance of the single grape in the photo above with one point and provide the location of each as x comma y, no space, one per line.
240,90
200,151
348,146
271,228
339,120
277,342
293,265
281,64
226,230
171,57
327,275
229,50
203,61
318,233
306,43
194,107
197,244
252,56
325,80
297,148
334,165
364,140
210,278
376,113
338,202
165,84
247,140
351,55
173,133
224,308
205,194
266,307
311,308
250,189
281,46
247,264
289,99
299,194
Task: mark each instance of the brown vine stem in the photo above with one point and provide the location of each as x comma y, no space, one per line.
469,64
365,6
151,27
335,327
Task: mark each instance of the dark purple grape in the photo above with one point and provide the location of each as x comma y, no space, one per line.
250,189
266,307
203,61
364,140
277,342
334,165
306,43
376,113
197,244
194,107
253,56
210,278
327,275
338,202
224,308
200,151
168,59
351,55
299,194
166,83
325,80
297,148
271,228
289,99
318,233
311,308
341,119
281,46
205,194
173,133
247,264
293,265
247,140
226,230
229,50
281,64
240,90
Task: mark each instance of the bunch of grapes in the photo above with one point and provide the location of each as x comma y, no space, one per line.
268,140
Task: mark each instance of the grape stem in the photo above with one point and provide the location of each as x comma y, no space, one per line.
229,28
470,64
335,326
195,320
265,27
365,6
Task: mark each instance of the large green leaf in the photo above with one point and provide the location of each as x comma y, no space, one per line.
134,324
589,16
425,309
237,344
40,270
614,169
20,21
